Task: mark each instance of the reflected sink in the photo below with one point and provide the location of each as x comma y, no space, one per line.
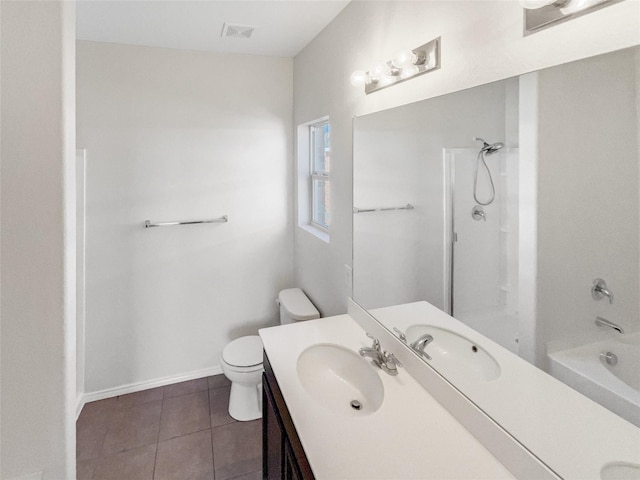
620,471
340,379
454,355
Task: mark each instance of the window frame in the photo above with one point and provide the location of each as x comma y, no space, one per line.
316,175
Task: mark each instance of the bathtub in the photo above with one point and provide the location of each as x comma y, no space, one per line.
616,387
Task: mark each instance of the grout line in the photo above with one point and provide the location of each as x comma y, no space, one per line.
213,459
155,459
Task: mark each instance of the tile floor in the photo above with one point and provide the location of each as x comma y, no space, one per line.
181,431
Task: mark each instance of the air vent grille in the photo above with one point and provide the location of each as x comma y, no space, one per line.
237,31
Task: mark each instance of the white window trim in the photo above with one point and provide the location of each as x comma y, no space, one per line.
304,182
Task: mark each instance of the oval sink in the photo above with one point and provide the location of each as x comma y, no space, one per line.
620,471
454,355
340,379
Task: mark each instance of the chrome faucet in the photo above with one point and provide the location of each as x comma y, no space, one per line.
387,361
599,290
603,322
421,343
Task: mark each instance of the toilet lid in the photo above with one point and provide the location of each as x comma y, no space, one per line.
243,352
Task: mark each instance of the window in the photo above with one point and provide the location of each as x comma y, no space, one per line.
320,166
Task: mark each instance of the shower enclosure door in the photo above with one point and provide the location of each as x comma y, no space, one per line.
482,254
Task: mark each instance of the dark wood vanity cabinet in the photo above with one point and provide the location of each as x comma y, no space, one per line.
282,454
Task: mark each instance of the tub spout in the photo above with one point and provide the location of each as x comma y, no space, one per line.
603,322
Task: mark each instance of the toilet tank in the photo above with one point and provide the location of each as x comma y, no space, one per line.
295,306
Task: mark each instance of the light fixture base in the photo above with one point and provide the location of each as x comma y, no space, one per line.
547,16
428,60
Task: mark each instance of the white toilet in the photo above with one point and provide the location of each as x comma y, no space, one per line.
241,359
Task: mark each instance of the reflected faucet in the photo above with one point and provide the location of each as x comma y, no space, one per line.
421,343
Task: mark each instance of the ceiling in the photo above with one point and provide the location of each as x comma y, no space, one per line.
282,28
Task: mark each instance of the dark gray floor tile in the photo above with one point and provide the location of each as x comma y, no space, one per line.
98,411
184,414
136,464
217,381
185,388
237,449
133,427
219,406
139,398
257,475
185,458
92,426
85,468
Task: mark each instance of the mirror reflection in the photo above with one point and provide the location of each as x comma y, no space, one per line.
514,207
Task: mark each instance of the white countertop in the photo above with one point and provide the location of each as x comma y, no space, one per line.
572,434
410,436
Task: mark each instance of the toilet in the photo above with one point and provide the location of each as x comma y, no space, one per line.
241,359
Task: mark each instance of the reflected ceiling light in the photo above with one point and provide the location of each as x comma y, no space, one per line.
404,64
539,14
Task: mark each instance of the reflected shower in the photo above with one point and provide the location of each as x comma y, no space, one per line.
488,149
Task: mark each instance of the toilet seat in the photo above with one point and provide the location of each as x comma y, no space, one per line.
244,352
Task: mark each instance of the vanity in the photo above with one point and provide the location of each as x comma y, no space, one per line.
283,455
312,430
416,424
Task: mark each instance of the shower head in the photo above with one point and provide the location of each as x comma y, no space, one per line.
489,148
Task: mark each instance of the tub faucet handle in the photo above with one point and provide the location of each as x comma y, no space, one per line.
599,290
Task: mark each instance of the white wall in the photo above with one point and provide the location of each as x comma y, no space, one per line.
181,135
37,240
481,42
81,164
588,216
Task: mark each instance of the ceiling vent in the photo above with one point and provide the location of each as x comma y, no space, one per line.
237,31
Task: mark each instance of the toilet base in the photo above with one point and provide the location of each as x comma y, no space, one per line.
245,401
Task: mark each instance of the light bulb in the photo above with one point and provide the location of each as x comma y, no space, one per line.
402,58
574,6
359,78
534,4
409,71
430,61
386,80
380,69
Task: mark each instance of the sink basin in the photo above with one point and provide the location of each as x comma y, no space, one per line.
620,471
340,379
454,355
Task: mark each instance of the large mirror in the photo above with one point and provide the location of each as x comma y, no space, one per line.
515,207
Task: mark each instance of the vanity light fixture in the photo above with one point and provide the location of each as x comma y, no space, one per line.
540,14
404,64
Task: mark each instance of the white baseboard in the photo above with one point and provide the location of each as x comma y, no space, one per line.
30,476
137,387
79,404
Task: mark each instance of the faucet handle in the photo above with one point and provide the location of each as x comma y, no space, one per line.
376,342
391,359
401,335
389,363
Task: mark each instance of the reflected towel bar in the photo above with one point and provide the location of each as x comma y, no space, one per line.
148,224
408,206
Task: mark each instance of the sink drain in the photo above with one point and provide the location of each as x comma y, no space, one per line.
356,405
474,349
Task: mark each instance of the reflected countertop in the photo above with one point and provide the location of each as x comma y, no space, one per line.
570,433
